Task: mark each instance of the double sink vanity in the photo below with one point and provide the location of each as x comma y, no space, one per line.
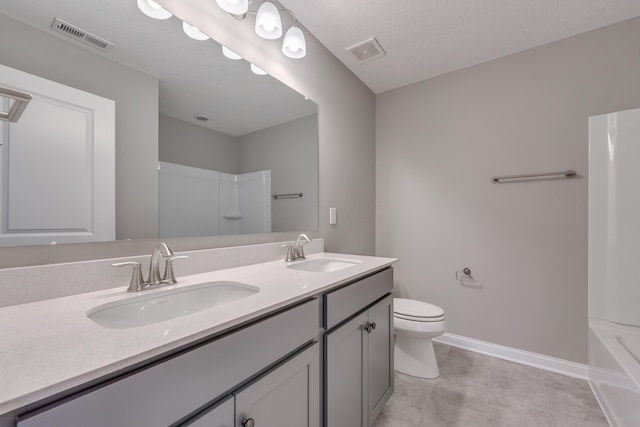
303,343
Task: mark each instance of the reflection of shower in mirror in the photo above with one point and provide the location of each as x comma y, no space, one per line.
197,202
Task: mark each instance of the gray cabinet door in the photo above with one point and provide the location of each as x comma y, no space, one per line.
345,372
359,367
286,396
380,357
221,415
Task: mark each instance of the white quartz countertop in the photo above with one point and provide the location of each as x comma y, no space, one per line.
50,346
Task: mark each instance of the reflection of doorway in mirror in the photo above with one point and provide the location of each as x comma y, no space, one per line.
201,202
57,165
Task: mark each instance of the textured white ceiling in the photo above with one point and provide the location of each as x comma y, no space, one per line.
425,38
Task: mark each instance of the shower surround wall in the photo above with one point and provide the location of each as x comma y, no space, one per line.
614,290
200,202
439,141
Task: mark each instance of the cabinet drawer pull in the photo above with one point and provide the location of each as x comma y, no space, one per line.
249,422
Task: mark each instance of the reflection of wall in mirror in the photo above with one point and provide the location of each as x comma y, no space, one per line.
289,150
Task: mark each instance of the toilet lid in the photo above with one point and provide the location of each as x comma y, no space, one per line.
407,308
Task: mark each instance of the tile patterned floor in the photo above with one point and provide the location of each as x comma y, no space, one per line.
475,390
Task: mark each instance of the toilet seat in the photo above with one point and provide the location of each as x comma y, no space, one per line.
416,311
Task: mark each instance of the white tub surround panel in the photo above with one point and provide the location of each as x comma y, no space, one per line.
614,294
50,346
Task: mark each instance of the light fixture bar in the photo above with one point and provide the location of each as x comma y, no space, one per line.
268,25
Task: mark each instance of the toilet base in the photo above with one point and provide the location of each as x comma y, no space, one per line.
415,357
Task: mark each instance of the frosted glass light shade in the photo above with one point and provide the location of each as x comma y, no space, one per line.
258,71
230,54
268,22
293,44
153,9
193,32
235,7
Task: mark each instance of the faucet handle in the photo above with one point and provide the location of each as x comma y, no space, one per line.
137,281
290,255
300,252
169,275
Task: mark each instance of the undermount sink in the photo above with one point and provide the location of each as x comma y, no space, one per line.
165,305
324,265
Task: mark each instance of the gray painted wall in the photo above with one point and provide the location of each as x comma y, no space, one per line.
290,151
136,97
191,145
346,148
439,141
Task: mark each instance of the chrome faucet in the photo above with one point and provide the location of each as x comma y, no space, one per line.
161,249
154,280
295,251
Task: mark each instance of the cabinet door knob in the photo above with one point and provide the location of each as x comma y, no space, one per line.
249,422
373,325
369,326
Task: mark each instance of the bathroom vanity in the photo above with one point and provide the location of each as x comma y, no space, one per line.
261,360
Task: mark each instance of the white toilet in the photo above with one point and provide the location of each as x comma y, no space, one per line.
415,324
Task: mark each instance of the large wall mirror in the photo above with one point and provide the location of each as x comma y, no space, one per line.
203,145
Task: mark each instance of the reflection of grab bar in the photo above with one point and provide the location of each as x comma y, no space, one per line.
286,196
21,99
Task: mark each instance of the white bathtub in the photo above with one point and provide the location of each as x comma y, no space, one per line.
614,370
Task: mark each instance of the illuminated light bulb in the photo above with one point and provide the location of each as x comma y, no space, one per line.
257,70
193,32
268,22
153,9
294,45
230,54
234,7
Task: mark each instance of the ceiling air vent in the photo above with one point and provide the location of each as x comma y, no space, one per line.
81,35
367,50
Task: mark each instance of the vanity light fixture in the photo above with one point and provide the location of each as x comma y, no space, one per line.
293,45
258,71
268,25
234,7
268,21
230,54
153,9
193,32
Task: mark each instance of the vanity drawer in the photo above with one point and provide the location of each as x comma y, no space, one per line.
168,391
348,300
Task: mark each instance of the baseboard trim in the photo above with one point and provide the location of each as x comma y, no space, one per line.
523,357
